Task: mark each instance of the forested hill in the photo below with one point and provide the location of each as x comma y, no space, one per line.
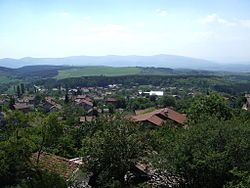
62,72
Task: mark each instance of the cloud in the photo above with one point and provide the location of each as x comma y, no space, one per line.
140,24
87,18
64,13
215,19
245,23
161,12
110,28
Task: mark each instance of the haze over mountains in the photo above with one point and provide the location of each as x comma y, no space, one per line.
167,61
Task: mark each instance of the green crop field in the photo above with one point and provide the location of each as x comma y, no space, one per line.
97,71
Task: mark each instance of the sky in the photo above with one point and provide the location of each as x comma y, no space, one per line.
216,30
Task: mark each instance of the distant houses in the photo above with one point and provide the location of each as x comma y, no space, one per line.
151,93
85,104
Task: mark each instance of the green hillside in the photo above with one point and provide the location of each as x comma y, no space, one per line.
97,71
110,71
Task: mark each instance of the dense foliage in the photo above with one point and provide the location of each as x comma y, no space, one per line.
211,150
205,154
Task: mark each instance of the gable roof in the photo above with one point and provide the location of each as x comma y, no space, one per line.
52,102
175,116
22,106
56,164
158,117
83,101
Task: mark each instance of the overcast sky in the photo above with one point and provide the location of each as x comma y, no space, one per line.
215,29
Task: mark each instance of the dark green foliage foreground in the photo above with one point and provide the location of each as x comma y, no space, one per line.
205,154
213,150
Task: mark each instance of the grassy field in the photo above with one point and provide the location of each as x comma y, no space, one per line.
6,79
97,71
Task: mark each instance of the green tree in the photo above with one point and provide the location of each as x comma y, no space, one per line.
11,103
22,88
111,151
241,180
204,155
209,105
167,101
66,100
50,130
14,160
18,91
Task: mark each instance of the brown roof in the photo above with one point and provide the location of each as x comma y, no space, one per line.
175,116
52,101
89,99
21,106
155,120
85,102
158,117
55,164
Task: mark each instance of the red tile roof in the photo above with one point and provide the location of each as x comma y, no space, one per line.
158,117
175,116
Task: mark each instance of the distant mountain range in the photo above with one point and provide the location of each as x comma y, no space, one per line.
167,61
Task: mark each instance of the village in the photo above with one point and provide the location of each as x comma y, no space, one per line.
148,106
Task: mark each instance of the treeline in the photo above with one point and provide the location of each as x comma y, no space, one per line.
233,88
202,81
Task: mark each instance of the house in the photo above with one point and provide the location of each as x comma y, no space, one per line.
151,93
94,111
51,105
112,101
69,169
84,119
24,107
87,105
159,117
27,100
80,97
